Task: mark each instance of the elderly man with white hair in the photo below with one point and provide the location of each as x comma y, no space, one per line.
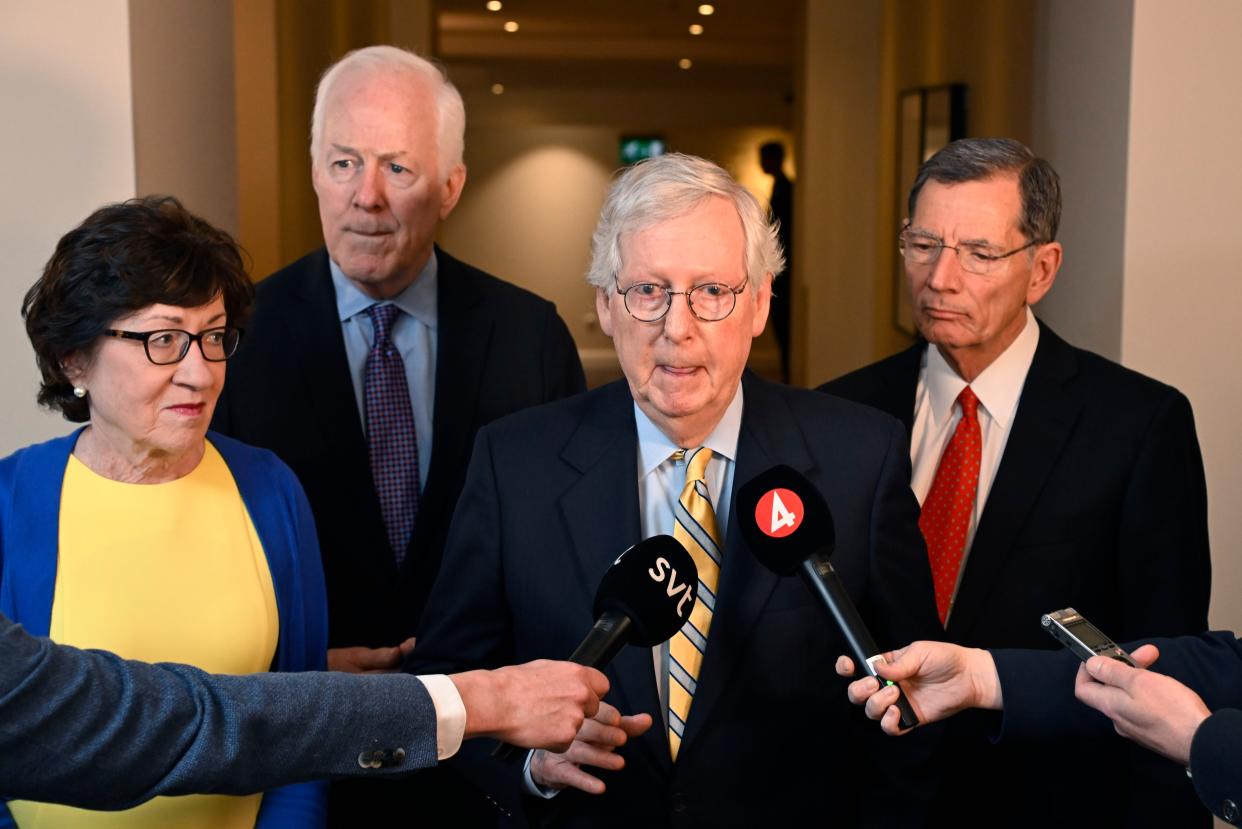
370,363
734,721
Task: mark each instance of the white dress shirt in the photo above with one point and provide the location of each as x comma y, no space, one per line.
936,415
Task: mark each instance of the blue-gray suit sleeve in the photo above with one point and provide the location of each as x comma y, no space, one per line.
90,729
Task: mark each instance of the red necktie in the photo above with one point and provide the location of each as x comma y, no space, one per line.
945,519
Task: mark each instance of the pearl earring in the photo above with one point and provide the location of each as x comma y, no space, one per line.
79,392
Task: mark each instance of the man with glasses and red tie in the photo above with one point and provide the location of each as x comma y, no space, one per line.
1048,476
734,721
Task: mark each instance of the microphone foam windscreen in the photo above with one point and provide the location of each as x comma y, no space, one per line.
784,519
655,584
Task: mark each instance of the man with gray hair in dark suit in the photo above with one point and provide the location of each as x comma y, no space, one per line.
369,365
1048,476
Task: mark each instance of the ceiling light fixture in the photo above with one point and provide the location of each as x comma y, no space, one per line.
685,63
706,9
498,89
511,26
696,29
494,5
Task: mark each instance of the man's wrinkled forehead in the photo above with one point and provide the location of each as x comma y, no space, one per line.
1002,202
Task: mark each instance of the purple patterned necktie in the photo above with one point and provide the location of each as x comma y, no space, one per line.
391,436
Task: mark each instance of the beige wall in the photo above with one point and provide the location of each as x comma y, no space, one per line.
1134,102
68,143
184,127
836,203
1183,277
1083,66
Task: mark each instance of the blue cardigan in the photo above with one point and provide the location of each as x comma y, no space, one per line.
30,485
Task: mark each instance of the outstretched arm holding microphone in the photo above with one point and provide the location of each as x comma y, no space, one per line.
90,729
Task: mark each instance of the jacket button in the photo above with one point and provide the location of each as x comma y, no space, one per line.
398,756
1229,811
366,760
678,802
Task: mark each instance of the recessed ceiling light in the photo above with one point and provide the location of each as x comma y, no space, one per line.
498,89
494,5
685,63
511,26
706,9
696,29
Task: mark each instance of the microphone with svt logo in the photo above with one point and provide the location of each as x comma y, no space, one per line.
644,598
788,525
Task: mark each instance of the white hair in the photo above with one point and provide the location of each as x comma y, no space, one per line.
451,112
668,187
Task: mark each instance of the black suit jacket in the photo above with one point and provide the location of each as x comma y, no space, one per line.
1040,704
1098,503
288,389
552,498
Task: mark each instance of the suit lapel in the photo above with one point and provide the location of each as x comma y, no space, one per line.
601,516
314,327
896,393
463,338
1047,411
770,435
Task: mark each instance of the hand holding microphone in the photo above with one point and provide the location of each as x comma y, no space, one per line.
788,525
643,599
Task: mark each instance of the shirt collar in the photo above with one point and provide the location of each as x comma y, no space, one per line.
654,447
418,300
998,387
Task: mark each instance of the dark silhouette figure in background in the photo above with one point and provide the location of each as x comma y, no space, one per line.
772,160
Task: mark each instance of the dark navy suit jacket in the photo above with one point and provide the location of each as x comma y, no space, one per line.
499,349
551,498
1040,706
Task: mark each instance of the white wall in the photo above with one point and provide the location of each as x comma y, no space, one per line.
68,148
1183,283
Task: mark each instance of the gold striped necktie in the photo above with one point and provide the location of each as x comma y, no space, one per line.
694,525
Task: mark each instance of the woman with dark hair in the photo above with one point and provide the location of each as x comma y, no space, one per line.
141,533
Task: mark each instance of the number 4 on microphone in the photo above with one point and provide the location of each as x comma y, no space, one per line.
779,512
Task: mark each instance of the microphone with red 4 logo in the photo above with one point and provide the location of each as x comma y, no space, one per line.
788,525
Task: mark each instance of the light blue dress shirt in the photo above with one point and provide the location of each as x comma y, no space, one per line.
661,479
414,335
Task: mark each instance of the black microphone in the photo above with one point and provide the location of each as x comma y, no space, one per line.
644,598
788,525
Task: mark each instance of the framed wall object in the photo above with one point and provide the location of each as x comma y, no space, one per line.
928,118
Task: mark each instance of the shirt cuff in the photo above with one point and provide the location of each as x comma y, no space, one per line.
530,786
450,714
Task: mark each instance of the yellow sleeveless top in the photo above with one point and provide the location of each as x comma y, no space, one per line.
170,572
